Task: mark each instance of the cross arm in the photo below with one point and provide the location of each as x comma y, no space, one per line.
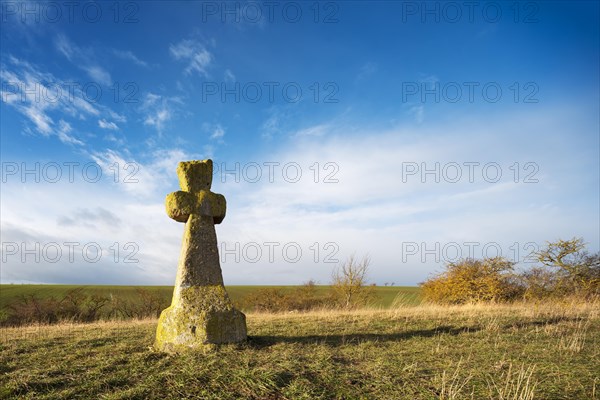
212,205
180,205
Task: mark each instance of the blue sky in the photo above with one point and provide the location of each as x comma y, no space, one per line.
339,107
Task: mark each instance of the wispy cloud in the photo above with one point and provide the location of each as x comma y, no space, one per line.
145,177
98,74
216,131
64,46
228,76
315,131
129,56
418,112
63,133
270,127
157,111
44,99
367,70
158,118
83,58
279,122
429,80
193,52
104,124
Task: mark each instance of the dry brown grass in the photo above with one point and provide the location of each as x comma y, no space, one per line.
475,351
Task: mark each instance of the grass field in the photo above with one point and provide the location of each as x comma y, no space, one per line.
385,295
414,352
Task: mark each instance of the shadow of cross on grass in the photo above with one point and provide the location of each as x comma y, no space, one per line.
336,340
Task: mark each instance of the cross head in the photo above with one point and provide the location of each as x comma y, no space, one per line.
195,198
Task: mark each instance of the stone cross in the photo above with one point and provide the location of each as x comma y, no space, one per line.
201,311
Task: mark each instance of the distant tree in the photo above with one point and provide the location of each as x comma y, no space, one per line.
349,283
539,283
578,271
311,283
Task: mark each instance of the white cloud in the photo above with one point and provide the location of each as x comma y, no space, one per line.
316,130
43,123
117,117
228,76
370,209
150,99
112,138
82,58
194,53
144,178
47,99
64,130
159,118
279,122
429,81
218,133
270,127
104,124
98,74
64,46
129,56
158,110
128,212
101,216
418,112
367,70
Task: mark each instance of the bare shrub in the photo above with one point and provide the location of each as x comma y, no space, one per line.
304,298
349,283
33,309
75,305
539,283
266,299
146,304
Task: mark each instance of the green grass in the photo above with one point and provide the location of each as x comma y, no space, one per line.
425,352
10,293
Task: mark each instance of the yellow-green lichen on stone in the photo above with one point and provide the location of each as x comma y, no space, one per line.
212,204
201,312
200,316
195,175
180,205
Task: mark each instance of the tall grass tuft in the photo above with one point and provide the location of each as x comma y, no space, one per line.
514,384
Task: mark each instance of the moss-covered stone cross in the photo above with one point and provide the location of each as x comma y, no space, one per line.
195,198
201,311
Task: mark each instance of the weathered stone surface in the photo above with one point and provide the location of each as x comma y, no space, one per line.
199,316
201,311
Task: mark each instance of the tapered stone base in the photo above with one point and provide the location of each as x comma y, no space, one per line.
199,316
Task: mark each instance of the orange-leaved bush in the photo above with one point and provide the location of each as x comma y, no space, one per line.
472,280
